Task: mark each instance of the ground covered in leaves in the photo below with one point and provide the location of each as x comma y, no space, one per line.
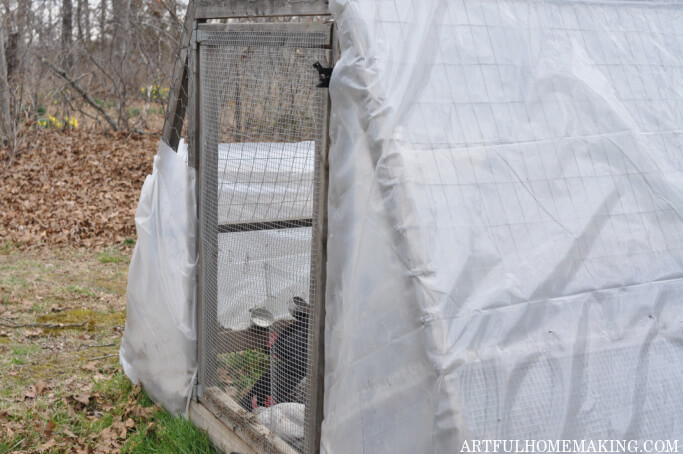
73,187
67,231
61,387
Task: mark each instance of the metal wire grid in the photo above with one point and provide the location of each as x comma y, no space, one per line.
498,142
261,118
515,166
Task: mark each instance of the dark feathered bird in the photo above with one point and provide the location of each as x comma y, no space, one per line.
289,359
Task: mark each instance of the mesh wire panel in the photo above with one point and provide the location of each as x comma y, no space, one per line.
261,128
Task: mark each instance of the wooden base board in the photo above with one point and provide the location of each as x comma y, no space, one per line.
221,436
244,424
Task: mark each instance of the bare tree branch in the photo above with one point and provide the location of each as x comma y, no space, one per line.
171,12
85,95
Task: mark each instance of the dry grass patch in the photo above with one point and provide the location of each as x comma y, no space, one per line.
62,314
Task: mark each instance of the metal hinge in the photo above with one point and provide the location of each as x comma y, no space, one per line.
197,392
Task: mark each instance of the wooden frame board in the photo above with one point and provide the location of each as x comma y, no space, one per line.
220,435
244,424
319,257
221,9
178,97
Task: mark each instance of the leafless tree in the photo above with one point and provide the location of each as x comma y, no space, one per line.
83,15
67,31
5,120
107,61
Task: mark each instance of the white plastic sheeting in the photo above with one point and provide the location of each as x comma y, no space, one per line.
267,269
265,181
159,346
505,245
262,182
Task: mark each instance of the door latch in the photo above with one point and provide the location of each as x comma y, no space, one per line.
324,75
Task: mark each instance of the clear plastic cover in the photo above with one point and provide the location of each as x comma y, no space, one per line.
505,244
159,346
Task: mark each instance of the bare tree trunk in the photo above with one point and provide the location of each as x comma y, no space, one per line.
103,19
83,15
120,13
5,121
15,39
67,32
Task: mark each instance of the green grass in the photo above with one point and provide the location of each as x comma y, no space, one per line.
163,433
85,289
13,282
112,256
117,390
11,445
154,430
168,434
244,368
21,353
79,290
8,246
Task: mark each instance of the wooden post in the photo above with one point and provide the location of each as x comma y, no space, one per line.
194,159
208,140
319,271
177,98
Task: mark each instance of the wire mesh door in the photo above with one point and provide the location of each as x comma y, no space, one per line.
262,127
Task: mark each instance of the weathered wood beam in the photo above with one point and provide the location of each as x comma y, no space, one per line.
219,9
177,97
219,433
245,424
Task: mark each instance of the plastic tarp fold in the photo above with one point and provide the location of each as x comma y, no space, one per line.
159,346
505,246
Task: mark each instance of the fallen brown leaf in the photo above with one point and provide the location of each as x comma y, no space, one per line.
49,427
83,399
33,333
47,445
90,192
90,366
41,387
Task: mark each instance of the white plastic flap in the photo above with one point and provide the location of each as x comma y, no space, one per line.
160,341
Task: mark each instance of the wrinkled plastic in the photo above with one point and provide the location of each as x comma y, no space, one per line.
267,268
159,346
505,244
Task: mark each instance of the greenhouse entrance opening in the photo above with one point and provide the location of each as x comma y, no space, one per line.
263,116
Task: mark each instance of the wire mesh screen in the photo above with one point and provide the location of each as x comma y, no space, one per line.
261,127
